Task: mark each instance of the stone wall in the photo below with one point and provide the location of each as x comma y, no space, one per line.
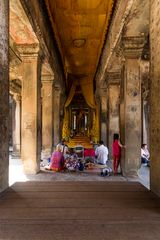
4,94
155,95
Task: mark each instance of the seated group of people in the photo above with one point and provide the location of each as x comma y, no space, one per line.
81,158
61,158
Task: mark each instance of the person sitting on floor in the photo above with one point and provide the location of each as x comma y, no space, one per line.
57,160
101,153
145,154
64,149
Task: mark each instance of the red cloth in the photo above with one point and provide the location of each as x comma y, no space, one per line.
116,149
57,161
89,153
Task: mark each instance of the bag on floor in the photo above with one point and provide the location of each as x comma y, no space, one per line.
106,172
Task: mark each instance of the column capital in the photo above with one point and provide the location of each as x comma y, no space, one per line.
30,50
47,78
133,46
56,87
113,78
17,97
15,86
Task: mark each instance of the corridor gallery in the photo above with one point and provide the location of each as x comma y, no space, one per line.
79,68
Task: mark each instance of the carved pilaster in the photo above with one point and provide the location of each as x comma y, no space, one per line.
31,106
47,115
133,46
103,97
113,85
130,108
113,78
56,109
17,126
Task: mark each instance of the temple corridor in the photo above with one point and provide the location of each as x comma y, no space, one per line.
79,72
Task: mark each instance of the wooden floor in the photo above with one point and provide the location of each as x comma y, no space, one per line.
79,211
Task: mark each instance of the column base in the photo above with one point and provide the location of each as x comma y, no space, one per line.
130,174
15,155
46,153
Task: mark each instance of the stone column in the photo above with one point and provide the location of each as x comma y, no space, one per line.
113,107
4,94
155,96
31,107
103,114
56,114
145,78
131,119
17,126
47,115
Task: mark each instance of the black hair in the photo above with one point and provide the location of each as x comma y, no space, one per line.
143,145
101,142
115,136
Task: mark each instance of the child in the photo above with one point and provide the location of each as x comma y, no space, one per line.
116,152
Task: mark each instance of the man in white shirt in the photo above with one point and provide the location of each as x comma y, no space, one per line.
101,153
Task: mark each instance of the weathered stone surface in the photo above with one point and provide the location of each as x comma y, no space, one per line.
130,125
4,94
103,97
17,126
113,113
145,88
154,95
120,15
31,107
56,114
47,115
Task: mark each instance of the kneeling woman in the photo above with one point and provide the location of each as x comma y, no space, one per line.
57,160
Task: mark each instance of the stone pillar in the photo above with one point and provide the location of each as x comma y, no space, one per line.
131,125
56,114
113,108
4,94
17,126
103,114
145,79
155,96
47,115
12,121
31,107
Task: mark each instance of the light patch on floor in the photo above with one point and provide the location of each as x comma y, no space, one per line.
16,173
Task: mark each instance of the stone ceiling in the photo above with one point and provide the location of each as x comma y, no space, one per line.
19,27
21,32
80,27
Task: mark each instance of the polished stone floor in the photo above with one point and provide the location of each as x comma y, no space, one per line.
76,210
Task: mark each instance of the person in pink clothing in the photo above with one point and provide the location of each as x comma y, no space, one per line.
116,152
57,160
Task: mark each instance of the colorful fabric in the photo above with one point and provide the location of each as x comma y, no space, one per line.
116,149
89,153
57,161
72,163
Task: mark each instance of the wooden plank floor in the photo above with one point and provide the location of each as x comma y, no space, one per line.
79,211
